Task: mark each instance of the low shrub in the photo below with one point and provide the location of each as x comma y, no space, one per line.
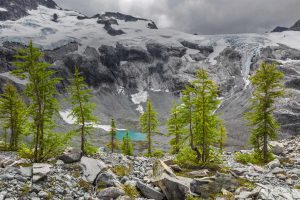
254,158
121,170
90,149
158,153
131,191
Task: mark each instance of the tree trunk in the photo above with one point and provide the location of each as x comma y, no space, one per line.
265,147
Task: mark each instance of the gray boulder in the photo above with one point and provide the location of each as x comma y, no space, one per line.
71,155
25,171
273,164
212,185
91,168
174,188
276,147
40,171
149,192
110,193
107,179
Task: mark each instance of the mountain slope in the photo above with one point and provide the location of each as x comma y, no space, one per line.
127,59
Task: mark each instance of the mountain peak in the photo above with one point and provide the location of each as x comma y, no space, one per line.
16,9
296,26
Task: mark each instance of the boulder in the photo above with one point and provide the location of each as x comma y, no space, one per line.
276,147
212,185
71,155
149,192
176,168
159,168
239,171
273,164
25,171
174,188
110,193
199,173
40,171
107,179
91,168
277,170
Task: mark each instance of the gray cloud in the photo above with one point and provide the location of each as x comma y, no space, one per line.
200,16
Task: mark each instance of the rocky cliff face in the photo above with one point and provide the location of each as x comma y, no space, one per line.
127,59
16,9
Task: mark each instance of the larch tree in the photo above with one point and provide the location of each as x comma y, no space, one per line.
205,101
200,101
148,124
82,108
267,88
41,91
113,144
175,127
222,136
13,112
127,148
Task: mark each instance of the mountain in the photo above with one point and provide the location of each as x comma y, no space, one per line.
126,59
295,27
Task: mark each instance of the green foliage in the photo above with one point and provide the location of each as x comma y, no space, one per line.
246,183
131,191
175,126
198,121
55,144
297,187
149,123
158,153
86,186
191,197
127,148
82,109
26,153
25,190
113,144
13,113
222,136
268,87
187,158
121,170
41,91
90,149
254,158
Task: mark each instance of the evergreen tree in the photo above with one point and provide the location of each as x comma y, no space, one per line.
113,144
267,84
82,108
200,102
41,91
149,123
127,148
13,115
175,127
205,94
222,136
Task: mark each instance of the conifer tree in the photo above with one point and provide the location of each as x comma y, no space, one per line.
198,112
41,91
113,144
268,87
82,108
127,148
13,115
149,123
175,127
222,136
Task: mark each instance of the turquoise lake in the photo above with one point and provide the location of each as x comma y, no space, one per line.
134,135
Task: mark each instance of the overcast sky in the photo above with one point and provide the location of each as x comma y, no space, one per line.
200,16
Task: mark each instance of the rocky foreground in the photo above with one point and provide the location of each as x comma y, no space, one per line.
115,176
